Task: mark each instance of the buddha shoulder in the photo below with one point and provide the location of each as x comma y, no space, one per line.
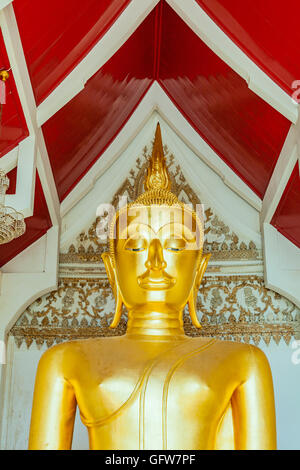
246,356
68,358
74,357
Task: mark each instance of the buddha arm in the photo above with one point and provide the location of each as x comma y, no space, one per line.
253,408
54,405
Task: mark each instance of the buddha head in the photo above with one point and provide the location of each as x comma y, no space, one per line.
155,262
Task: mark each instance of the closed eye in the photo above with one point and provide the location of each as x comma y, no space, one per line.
136,244
175,244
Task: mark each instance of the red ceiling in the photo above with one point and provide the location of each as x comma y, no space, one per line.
266,30
77,134
36,226
243,130
57,34
246,132
13,127
287,216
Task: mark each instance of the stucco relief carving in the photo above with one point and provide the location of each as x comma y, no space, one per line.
232,307
229,307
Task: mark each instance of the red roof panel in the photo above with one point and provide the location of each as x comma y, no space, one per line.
244,130
13,126
287,215
79,132
56,35
267,31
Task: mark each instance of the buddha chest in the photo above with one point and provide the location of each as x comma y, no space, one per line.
155,402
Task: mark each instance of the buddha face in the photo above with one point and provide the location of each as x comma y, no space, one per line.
157,256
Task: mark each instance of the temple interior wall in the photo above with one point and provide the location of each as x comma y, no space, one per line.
233,302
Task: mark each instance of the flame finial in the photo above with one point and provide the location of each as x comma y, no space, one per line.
157,175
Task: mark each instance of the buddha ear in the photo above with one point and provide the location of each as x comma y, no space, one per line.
201,269
109,268
111,274
193,294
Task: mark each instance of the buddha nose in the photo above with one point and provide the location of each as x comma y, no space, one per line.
155,260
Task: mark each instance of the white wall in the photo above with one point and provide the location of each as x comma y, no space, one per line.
286,376
22,363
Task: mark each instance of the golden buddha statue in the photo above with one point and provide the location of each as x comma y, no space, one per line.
155,387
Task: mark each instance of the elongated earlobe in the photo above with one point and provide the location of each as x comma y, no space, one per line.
114,285
118,310
192,300
192,308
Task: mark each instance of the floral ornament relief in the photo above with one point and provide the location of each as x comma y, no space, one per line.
238,308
